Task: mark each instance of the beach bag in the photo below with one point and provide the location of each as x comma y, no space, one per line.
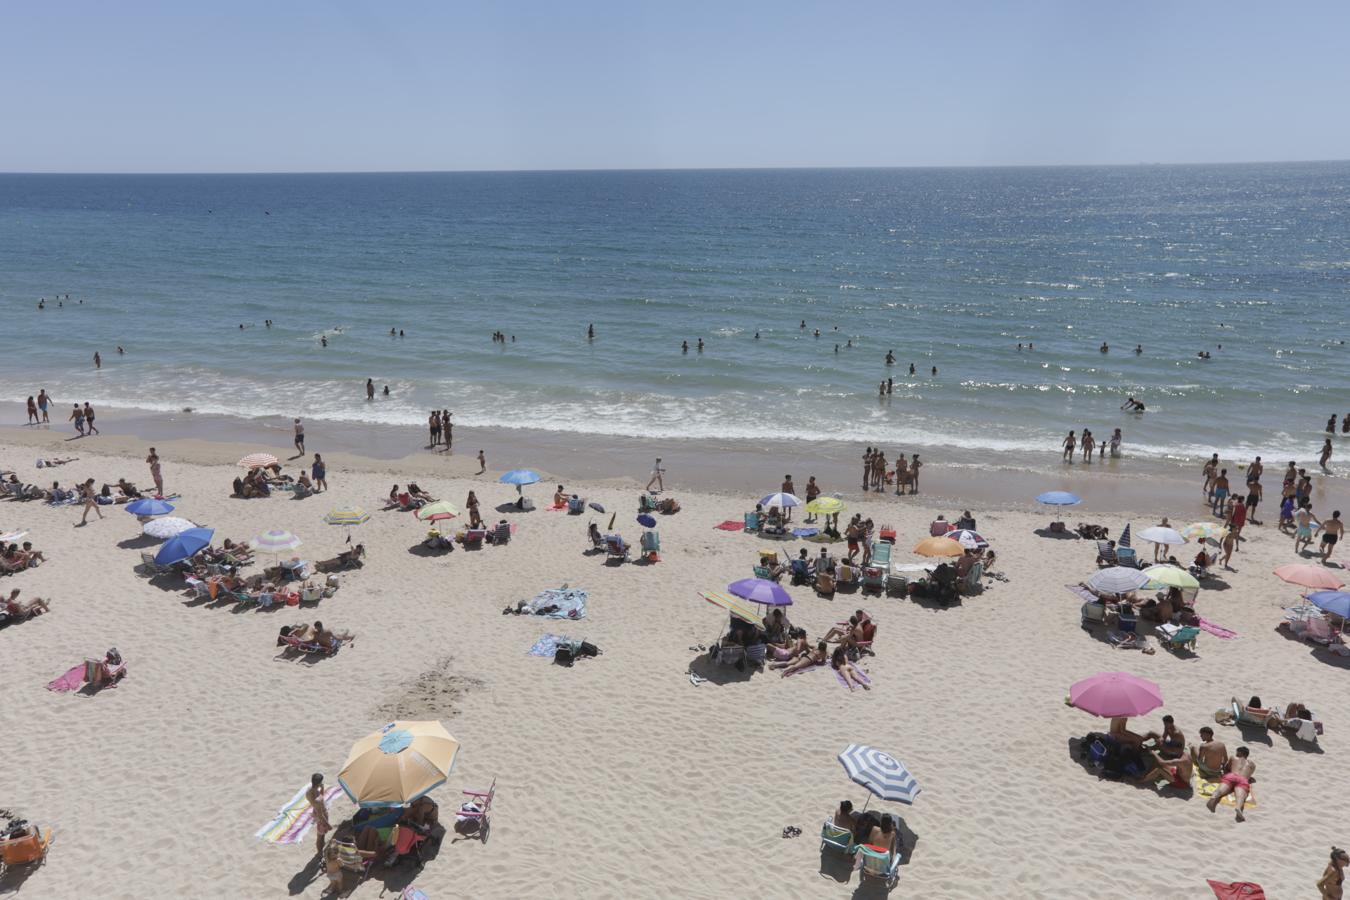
587,649
564,655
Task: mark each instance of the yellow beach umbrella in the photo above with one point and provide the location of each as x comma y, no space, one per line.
739,608
399,763
1170,576
825,506
939,546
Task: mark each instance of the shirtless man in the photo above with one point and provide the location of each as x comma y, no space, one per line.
1332,529
1211,757
1236,781
1069,444
1220,493
314,795
788,488
1210,469
1303,528
844,815
867,467
1177,771
1255,470
1326,453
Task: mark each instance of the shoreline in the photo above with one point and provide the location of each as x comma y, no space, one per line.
734,467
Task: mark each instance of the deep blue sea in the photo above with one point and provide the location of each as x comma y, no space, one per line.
946,267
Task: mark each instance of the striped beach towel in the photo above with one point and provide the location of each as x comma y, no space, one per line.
295,819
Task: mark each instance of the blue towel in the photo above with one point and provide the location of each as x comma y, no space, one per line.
805,532
546,645
571,603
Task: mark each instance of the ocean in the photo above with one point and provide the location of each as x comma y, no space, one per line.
950,268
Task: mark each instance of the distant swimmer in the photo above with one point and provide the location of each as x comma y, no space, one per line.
890,385
370,389
1031,346
1331,424
700,345
911,368
1345,424
685,347
392,332
98,360
1326,453
890,357
756,335
386,390
1203,354
836,350
1019,348
42,303
817,332
803,323
400,332
849,344
1105,348
1132,405
590,332
121,352
934,371
1138,349
881,389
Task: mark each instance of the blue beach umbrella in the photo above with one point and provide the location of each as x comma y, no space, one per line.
1059,498
645,521
882,774
760,590
519,476
1335,602
149,507
184,545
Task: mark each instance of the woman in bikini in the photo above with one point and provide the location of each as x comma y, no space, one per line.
1330,884
814,657
839,662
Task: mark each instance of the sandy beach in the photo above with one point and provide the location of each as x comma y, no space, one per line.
619,777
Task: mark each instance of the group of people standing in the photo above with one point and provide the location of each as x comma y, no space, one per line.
441,428
1087,444
876,476
1296,512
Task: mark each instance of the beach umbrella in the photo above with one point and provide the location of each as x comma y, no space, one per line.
939,546
1124,537
519,477
734,605
11,537
882,774
1161,534
1115,694
399,763
1117,580
646,521
276,542
1201,531
149,507
257,461
435,512
781,500
1170,576
598,507
1059,498
1335,602
825,506
184,545
347,515
1315,577
167,527
761,590
968,539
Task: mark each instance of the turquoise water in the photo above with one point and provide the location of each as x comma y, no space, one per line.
951,268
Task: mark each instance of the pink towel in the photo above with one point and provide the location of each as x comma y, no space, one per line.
70,681
1217,630
730,525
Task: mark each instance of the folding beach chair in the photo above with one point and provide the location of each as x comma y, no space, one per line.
1106,554
873,579
1125,556
878,865
840,840
472,820
881,554
616,547
752,521
651,546
30,850
1174,638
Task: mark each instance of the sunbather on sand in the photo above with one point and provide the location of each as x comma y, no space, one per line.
330,640
814,657
1236,781
1211,757
559,498
417,492
33,607
839,662
794,647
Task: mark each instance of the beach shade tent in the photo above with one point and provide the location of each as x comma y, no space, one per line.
646,521
148,506
1117,580
939,546
399,763
1161,534
1201,531
734,605
825,506
1170,576
1335,602
1316,577
257,461
971,540
167,527
883,775
184,545
780,500
760,590
1113,695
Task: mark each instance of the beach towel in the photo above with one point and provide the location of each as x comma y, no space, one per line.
70,681
805,532
295,819
807,669
547,645
570,603
1237,890
862,676
1206,788
731,525
1217,630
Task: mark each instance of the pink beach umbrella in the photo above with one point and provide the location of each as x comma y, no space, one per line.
1304,575
1116,694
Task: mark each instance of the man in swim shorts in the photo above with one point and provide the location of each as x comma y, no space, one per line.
1332,530
1211,466
1220,492
1303,528
1236,781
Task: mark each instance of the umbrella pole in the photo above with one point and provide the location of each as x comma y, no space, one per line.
867,801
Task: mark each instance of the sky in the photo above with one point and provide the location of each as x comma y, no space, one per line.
346,85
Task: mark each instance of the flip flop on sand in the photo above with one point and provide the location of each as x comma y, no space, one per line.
696,680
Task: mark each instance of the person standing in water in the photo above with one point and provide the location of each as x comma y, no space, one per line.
590,332
1326,453
43,402
1069,444
370,388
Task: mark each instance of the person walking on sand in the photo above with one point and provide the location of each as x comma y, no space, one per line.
1217,505
155,474
1209,470
1332,529
1304,523
43,402
1254,491
77,416
32,411
1331,885
314,796
482,463
656,479
299,437
88,494
1326,454
1069,444
319,473
89,418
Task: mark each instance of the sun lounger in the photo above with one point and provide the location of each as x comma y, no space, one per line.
873,579
1243,716
1174,637
878,865
616,547
839,840
28,850
971,584
881,554
651,545
1106,554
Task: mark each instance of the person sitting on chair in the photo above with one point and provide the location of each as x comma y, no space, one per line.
35,607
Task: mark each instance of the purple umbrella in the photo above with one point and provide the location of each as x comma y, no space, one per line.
760,590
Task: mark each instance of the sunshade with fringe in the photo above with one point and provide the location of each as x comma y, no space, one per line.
257,461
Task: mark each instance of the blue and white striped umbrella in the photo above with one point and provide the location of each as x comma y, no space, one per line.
882,774
1124,537
1117,580
782,501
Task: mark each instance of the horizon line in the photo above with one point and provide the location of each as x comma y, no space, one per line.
634,169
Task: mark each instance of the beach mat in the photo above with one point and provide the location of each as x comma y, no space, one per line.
295,819
547,645
70,681
1217,630
1206,788
862,676
1236,890
731,525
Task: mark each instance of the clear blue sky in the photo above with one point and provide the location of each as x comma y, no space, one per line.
296,85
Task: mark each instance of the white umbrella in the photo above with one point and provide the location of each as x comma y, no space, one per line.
1117,580
11,537
167,527
1161,534
780,500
